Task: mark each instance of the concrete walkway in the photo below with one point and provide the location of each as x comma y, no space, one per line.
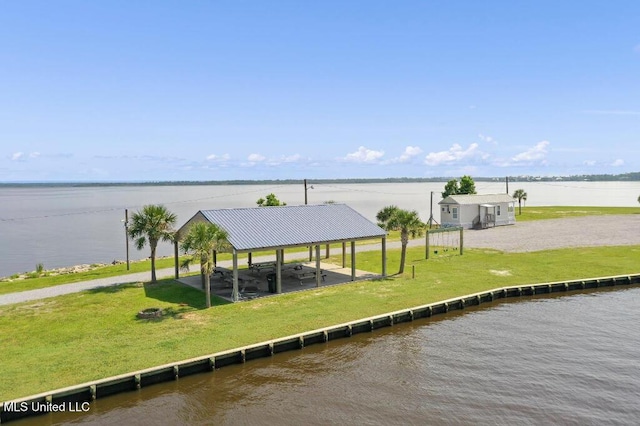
59,290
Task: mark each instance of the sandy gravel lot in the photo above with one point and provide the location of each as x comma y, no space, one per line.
588,231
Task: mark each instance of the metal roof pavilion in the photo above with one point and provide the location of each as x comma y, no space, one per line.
259,228
280,227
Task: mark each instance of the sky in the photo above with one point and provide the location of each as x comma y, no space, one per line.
100,91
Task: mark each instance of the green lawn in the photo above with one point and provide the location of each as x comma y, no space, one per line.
75,338
559,212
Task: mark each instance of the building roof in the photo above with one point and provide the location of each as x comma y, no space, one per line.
257,228
478,199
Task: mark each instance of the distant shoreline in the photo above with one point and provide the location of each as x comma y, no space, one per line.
626,177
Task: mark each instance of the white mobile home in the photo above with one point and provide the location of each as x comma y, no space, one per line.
477,211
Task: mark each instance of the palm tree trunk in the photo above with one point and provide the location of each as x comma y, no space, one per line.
203,280
153,264
403,255
404,239
207,289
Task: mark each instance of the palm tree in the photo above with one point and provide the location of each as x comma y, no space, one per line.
392,218
201,240
520,195
152,224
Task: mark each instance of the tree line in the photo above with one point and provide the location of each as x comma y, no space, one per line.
633,176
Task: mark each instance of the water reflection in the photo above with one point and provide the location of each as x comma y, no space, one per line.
566,359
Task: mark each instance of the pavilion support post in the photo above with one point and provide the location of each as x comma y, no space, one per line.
461,240
215,258
279,271
353,260
234,293
344,254
310,253
384,256
328,250
318,270
249,260
176,259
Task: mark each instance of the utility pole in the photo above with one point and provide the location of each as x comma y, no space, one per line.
126,233
507,180
430,221
305,203
305,191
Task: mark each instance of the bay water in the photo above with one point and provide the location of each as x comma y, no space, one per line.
66,226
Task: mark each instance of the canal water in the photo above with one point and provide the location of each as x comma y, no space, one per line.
571,360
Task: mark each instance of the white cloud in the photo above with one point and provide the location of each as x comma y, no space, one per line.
619,162
453,155
364,155
256,158
412,151
253,159
214,157
537,153
487,139
287,159
589,163
409,153
21,156
291,158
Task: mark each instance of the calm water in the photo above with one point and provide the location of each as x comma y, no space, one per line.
571,360
69,226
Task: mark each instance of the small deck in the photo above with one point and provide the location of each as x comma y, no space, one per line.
253,283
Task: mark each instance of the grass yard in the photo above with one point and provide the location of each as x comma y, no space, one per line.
48,280
559,212
75,338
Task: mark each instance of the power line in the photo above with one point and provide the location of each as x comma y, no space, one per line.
15,219
366,191
110,209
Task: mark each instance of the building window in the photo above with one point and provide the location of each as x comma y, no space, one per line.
455,212
498,210
510,208
443,209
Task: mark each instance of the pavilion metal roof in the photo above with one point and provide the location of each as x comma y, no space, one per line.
478,199
289,226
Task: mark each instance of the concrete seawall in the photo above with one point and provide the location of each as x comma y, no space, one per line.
80,396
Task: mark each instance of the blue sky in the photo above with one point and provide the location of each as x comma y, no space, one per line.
217,90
